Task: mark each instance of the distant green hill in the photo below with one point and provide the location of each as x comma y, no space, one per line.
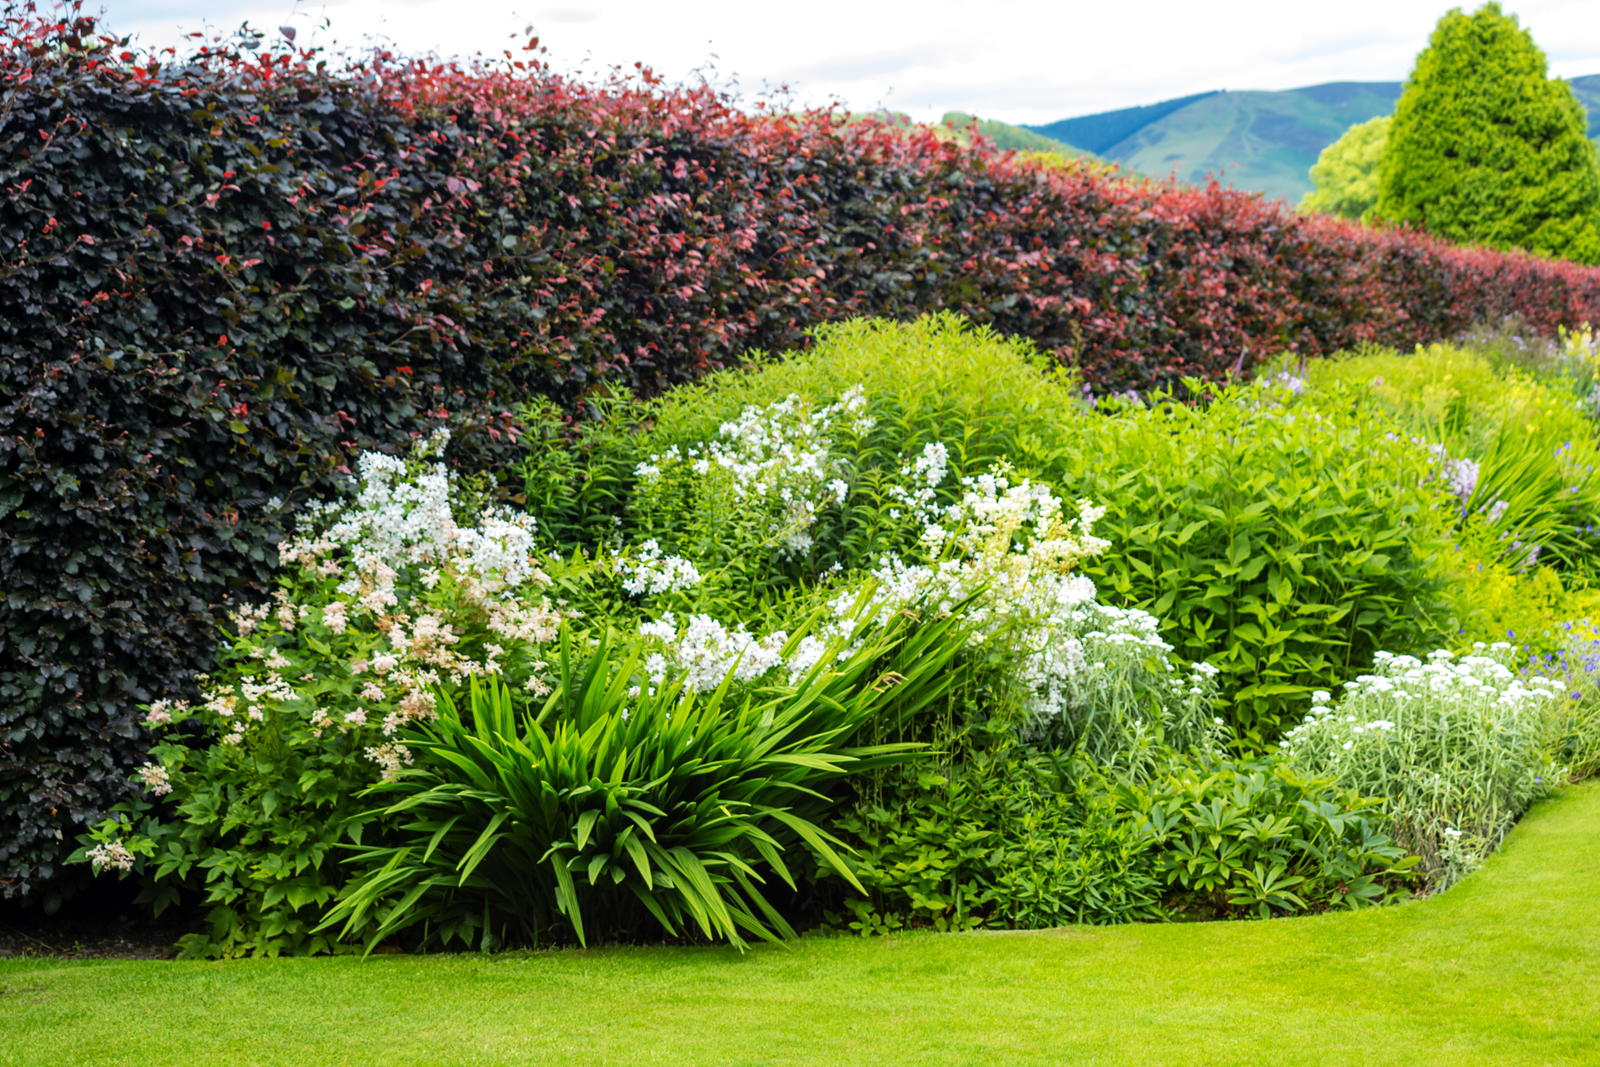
1102,132
958,125
1587,90
1261,141
1006,136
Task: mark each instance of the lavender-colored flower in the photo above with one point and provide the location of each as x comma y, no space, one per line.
1462,474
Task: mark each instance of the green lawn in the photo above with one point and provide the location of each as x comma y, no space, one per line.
1505,968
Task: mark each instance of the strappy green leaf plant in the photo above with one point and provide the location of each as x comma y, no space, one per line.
610,808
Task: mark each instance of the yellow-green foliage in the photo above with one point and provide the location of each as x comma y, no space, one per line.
1521,451
1494,601
1453,395
1346,173
943,378
1533,444
1053,160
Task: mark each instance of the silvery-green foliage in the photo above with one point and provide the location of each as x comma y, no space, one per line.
1454,746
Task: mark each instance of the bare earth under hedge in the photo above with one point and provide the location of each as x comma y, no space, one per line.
1504,968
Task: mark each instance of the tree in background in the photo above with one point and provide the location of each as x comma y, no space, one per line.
1346,173
1485,148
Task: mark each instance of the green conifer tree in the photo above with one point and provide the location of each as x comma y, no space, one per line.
1486,148
1346,173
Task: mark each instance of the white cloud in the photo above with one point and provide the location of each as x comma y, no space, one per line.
1019,60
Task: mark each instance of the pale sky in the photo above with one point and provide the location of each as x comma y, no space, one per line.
1019,62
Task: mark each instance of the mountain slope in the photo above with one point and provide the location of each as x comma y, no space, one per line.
1006,136
1101,132
1587,90
1256,140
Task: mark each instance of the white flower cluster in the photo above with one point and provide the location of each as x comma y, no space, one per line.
155,778
1009,548
382,551
1407,693
919,493
1006,554
778,457
704,652
401,518
113,855
995,516
1451,742
650,573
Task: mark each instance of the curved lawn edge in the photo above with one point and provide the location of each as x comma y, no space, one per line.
1503,968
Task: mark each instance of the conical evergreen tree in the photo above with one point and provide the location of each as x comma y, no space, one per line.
1486,148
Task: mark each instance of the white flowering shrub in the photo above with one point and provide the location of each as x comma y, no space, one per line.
754,493
385,600
1070,670
1454,746
771,556
650,573
1081,673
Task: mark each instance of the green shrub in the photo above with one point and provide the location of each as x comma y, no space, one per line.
1457,749
937,380
1494,599
1345,175
1485,147
1010,840
1279,545
1024,839
1258,839
1520,455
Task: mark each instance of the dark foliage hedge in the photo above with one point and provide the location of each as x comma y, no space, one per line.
224,273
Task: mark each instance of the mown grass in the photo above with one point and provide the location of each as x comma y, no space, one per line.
1504,968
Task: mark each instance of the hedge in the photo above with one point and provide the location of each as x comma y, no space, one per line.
225,272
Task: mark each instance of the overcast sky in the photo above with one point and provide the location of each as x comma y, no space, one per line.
1017,61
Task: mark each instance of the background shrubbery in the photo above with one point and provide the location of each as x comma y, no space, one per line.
225,272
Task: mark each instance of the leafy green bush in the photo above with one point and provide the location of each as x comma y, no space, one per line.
1457,749
935,381
1008,839
1258,839
1345,175
1520,455
1279,545
1025,840
937,378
